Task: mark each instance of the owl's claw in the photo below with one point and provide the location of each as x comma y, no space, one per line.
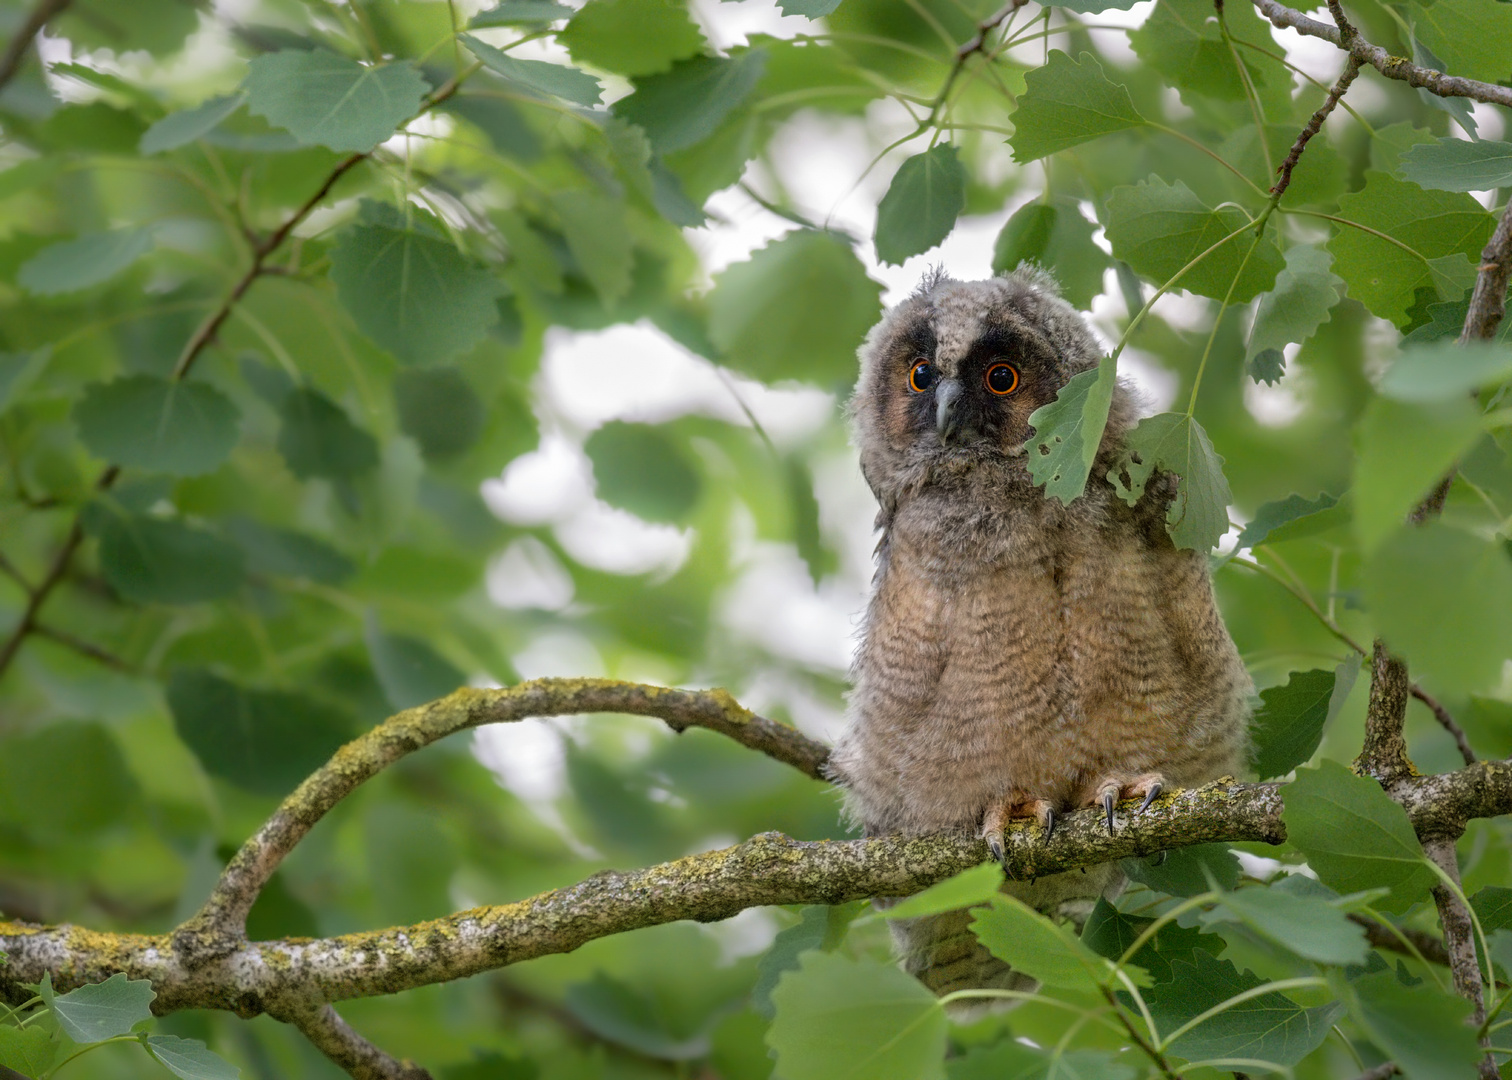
995,822
1049,823
1108,791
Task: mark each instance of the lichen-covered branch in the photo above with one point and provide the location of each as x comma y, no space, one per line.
361,1060
1459,942
1384,752
1488,301
219,927
290,976
1393,67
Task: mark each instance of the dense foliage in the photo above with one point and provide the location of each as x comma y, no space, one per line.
287,286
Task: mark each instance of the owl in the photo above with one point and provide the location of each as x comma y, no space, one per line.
1019,657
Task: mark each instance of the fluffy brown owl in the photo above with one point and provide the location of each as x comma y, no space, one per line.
1020,657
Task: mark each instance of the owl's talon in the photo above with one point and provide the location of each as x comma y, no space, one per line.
1109,790
1049,825
1154,793
995,846
1108,800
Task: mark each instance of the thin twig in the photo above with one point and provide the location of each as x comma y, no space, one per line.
1393,67
1446,721
8,568
1314,125
41,14
80,646
1381,936
337,1040
219,927
1384,1071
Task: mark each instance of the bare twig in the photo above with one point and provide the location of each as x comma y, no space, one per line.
1314,125
218,928
973,45
337,1040
1393,67
1459,939
1381,936
43,12
82,647
1384,1071
1384,753
1446,721
768,869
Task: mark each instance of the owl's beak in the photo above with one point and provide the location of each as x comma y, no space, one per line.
947,423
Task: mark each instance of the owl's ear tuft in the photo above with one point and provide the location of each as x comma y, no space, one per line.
1037,278
933,278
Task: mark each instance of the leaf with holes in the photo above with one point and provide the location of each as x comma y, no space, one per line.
1198,514
1068,431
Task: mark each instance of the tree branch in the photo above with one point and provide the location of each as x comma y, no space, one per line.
1384,753
1314,125
219,927
1393,67
282,977
1488,303
337,1040
1446,722
1459,940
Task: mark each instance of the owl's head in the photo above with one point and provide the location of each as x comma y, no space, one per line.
950,376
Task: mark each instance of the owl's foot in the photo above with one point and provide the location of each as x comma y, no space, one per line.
1111,790
995,821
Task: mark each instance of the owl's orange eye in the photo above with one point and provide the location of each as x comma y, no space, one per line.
1002,378
921,377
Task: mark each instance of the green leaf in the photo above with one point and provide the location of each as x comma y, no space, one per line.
809,9
1158,229
639,468
413,293
1198,515
1068,102
1471,38
317,439
1028,941
537,76
1109,932
520,13
1493,907
180,128
83,759
1288,726
1292,518
1457,165
99,1011
190,1058
327,100
595,229
439,410
1300,301
410,671
30,1050
286,553
632,37
686,105
921,205
1402,451
1424,225
621,1015
1012,1060
819,926
1068,431
975,886
160,425
841,1019
1270,1027
1353,835
157,560
1442,598
78,264
1181,40
1423,1029
18,371
1056,237
1305,925
1443,370
795,310
265,741
1187,871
